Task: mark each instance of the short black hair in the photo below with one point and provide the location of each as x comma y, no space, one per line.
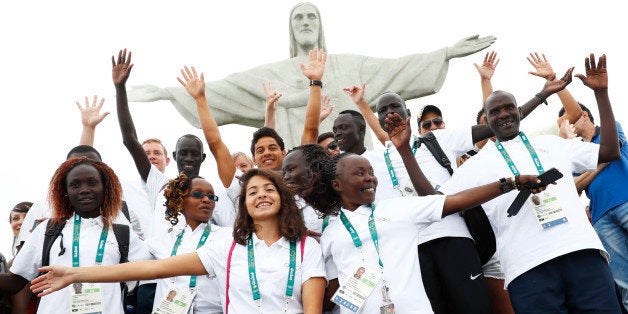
81,149
561,112
357,117
324,136
266,132
192,136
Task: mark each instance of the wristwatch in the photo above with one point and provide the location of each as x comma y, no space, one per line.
316,82
505,186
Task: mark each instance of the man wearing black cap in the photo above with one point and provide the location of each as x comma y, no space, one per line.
430,118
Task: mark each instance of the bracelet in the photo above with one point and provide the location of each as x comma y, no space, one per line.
517,182
505,186
544,100
317,83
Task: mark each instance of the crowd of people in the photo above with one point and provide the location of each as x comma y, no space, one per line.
440,220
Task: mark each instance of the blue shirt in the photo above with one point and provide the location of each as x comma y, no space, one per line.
608,189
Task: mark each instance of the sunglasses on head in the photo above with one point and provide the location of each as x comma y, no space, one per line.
200,195
428,123
332,145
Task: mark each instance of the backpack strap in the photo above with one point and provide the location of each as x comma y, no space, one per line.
125,211
122,233
233,244
53,231
432,145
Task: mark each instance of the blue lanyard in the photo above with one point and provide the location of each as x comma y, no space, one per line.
511,164
391,169
100,252
356,238
201,242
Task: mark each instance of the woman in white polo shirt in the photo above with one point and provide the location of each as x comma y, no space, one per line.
268,265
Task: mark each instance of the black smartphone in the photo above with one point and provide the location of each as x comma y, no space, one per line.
546,178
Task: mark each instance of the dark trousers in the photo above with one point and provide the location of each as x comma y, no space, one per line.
145,298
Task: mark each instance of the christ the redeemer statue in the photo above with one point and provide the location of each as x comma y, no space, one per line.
239,98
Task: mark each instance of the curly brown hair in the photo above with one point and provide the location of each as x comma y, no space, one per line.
57,196
291,224
175,191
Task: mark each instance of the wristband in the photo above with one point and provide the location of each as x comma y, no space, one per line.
544,100
505,186
317,83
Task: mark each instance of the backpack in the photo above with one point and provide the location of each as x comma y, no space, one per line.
475,218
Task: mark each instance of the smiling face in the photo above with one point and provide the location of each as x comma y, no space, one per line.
198,210
305,25
263,201
85,190
296,172
502,115
268,153
156,155
348,134
16,219
355,181
189,156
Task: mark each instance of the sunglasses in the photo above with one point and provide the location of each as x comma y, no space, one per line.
428,123
332,145
200,195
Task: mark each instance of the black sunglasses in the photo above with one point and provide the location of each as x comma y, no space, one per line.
428,123
200,195
332,145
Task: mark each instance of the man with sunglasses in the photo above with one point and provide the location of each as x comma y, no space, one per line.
429,119
329,143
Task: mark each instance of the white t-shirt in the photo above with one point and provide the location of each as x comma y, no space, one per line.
271,264
311,217
398,222
29,260
454,142
207,299
522,244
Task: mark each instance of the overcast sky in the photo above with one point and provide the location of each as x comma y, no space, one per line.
56,52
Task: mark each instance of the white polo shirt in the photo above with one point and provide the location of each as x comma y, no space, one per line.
207,299
454,142
521,243
398,222
271,264
311,217
28,261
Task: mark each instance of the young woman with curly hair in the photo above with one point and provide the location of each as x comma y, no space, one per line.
267,265
85,196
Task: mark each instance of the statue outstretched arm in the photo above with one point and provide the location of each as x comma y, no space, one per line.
469,45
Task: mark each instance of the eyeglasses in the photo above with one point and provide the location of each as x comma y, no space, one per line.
332,145
200,195
428,123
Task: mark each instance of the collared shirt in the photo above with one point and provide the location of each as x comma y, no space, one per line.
271,265
207,299
311,217
397,222
522,244
28,261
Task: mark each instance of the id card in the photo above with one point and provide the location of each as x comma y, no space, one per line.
176,301
407,189
547,209
85,298
353,293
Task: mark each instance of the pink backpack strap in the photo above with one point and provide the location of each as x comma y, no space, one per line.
228,275
303,247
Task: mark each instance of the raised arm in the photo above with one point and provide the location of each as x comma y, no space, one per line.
195,86
356,94
314,72
486,71
120,71
544,69
90,117
597,79
58,277
272,101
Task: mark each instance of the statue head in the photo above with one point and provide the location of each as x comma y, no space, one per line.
306,29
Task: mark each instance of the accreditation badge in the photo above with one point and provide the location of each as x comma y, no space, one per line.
176,301
86,298
547,208
407,189
357,288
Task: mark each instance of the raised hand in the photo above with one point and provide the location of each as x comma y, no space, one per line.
356,93
90,115
272,97
316,66
55,278
122,68
326,108
554,86
542,66
398,130
596,77
194,85
487,69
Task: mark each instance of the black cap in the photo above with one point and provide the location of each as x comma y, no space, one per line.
426,109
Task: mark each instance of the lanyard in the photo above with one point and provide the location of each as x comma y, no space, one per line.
391,169
253,274
325,222
75,243
356,238
201,242
511,164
